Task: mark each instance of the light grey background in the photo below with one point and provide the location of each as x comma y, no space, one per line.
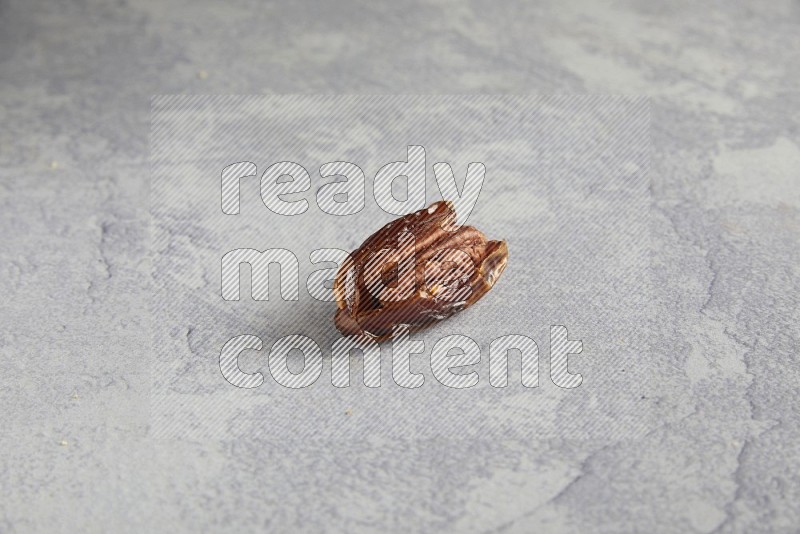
566,186
75,86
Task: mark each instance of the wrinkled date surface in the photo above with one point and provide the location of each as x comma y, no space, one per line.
416,270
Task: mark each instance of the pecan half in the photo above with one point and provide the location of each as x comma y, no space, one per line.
415,271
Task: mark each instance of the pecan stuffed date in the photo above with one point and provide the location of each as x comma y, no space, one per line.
415,271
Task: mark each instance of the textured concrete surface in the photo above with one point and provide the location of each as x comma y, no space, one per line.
75,85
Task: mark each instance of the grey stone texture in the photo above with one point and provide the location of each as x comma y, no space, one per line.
76,450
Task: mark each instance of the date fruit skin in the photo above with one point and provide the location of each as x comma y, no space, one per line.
416,270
